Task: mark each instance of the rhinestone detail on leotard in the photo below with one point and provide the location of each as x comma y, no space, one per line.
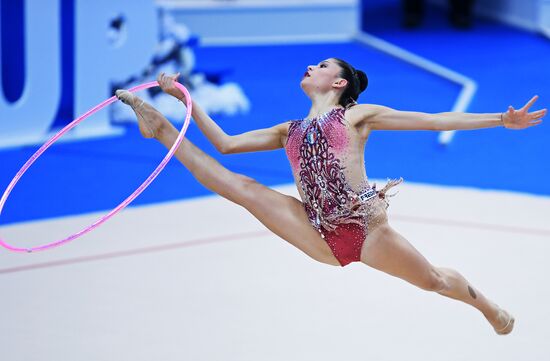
316,148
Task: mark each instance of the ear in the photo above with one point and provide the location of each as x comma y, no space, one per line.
340,83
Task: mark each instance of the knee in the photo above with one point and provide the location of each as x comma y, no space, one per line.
245,183
246,188
434,282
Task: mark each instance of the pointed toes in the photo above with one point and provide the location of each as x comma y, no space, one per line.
123,95
509,325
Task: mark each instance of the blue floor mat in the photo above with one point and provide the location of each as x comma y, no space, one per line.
94,175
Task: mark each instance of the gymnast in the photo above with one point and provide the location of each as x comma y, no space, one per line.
341,218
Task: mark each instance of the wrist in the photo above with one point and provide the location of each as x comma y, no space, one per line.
179,96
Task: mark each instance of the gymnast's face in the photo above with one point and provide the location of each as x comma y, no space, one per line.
322,77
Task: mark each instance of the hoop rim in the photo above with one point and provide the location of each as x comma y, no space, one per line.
124,203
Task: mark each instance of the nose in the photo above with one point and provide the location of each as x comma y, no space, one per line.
309,67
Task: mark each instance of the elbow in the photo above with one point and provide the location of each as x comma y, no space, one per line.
225,147
443,127
443,122
436,124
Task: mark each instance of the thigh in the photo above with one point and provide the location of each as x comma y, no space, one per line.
388,251
286,217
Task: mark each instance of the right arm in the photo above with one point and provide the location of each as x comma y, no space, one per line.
256,140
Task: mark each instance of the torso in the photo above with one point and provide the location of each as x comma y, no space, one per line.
326,154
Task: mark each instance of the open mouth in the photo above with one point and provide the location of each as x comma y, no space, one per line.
306,75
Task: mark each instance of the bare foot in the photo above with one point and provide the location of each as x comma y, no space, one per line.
506,323
503,322
150,124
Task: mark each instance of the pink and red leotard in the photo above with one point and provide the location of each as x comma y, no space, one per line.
332,182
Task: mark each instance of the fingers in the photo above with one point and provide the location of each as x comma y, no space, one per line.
164,80
537,122
538,114
161,79
530,103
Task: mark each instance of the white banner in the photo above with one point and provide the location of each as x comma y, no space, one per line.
544,17
98,63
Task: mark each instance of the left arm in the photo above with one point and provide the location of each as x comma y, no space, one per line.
384,118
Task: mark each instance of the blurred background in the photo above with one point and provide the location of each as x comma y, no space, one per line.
242,61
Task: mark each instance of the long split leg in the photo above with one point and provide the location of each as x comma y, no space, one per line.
282,214
388,251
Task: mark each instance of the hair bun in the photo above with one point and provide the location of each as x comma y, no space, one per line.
363,80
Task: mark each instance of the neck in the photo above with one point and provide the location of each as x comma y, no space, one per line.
322,103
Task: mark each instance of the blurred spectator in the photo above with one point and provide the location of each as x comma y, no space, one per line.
460,13
175,53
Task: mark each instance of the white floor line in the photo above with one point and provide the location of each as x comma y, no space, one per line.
469,86
276,40
202,280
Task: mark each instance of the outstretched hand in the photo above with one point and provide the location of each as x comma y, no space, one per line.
168,85
521,119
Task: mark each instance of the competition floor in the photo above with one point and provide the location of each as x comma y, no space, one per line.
202,280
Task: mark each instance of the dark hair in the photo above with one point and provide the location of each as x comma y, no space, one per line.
357,83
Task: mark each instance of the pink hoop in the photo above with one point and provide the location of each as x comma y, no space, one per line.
122,205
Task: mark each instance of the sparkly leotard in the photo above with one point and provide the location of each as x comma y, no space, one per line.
332,182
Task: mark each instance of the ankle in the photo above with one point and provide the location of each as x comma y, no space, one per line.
164,130
492,312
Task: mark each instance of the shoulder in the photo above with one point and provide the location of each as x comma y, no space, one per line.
361,113
282,128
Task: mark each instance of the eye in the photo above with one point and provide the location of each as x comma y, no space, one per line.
323,65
